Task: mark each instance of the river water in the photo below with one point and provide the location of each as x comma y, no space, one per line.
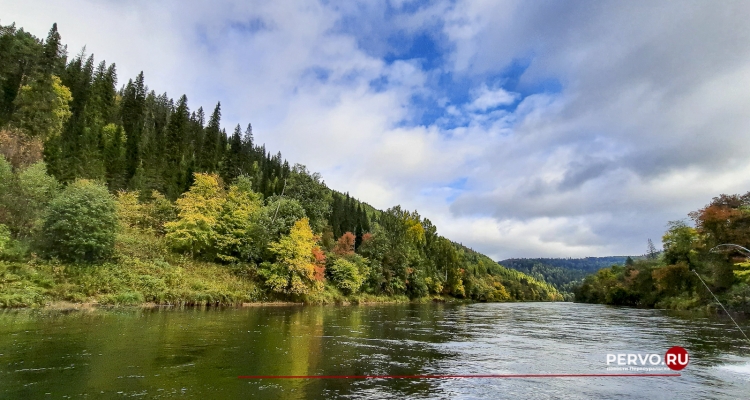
200,353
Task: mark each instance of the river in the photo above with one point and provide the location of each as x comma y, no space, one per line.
200,353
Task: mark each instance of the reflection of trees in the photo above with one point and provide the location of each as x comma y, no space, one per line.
202,351
707,337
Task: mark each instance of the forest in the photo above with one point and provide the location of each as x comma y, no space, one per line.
565,274
121,195
672,278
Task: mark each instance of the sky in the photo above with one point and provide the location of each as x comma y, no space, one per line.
519,128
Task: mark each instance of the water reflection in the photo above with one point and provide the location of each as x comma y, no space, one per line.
163,353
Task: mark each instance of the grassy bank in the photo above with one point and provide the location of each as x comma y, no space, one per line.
144,271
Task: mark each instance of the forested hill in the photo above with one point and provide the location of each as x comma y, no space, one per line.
586,264
565,274
77,145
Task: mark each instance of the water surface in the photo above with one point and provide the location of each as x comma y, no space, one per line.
199,353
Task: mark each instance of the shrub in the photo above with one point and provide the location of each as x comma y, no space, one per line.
348,273
81,223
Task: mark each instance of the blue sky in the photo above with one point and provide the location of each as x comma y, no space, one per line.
521,129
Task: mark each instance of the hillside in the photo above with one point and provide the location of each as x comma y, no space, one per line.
122,195
565,274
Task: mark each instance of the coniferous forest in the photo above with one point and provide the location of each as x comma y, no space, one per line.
114,193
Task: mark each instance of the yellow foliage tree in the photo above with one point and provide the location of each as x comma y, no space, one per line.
129,210
149,216
198,212
294,269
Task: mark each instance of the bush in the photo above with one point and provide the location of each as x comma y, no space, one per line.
81,223
348,273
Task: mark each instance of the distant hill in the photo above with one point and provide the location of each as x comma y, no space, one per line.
589,264
562,273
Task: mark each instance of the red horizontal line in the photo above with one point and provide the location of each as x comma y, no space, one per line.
450,376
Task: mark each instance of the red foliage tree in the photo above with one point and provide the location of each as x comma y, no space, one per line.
367,236
320,263
345,244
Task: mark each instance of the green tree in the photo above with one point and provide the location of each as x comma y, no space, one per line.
209,151
311,193
176,134
279,215
114,156
24,196
81,223
239,235
20,54
132,115
36,189
42,107
4,237
348,273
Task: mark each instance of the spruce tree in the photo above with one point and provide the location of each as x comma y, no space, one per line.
208,154
231,167
132,116
53,55
335,221
114,156
174,146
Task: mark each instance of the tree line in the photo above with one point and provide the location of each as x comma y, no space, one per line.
667,279
565,274
77,149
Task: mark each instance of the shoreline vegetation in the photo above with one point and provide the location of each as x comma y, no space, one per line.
143,272
123,196
667,279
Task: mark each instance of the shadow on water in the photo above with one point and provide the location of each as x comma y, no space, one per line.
193,352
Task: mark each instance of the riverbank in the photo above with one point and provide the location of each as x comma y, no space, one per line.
133,282
144,272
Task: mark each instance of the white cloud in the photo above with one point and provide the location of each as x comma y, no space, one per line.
650,124
486,98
